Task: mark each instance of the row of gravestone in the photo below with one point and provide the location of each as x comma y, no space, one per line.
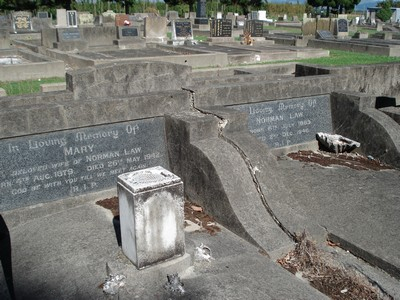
327,26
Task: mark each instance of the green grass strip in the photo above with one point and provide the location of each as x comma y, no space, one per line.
13,88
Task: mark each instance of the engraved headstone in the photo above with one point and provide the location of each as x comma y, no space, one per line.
151,216
221,28
254,15
181,30
342,26
22,21
283,123
254,27
72,18
46,167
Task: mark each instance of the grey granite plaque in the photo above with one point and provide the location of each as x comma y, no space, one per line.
43,15
68,34
46,167
182,29
129,31
254,27
221,28
288,122
342,25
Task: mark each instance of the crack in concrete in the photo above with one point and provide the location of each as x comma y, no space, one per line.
252,170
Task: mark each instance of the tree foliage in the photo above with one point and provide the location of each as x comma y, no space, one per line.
339,6
385,13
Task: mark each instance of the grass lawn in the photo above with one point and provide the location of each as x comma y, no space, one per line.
13,88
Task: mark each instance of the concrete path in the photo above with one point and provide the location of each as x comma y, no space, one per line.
359,209
63,255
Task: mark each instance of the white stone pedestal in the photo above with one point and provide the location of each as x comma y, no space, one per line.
151,216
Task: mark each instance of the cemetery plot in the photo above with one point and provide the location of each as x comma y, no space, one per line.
46,167
288,122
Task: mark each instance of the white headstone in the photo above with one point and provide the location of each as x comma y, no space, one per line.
61,17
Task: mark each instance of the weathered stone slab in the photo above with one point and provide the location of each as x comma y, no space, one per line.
46,167
288,122
151,215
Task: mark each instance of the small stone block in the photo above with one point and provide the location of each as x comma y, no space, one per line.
53,87
151,216
3,92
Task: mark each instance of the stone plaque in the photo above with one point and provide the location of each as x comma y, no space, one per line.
129,32
342,25
68,34
182,29
324,35
46,167
255,28
72,18
288,122
22,21
43,15
221,28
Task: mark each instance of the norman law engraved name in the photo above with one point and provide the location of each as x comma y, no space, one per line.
288,122
73,162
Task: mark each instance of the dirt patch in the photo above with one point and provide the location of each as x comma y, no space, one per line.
193,213
351,160
327,276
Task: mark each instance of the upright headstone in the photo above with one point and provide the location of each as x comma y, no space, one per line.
255,28
22,21
172,15
262,15
254,15
219,15
201,13
151,215
181,32
221,28
108,17
240,20
85,18
4,38
155,29
342,28
72,18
